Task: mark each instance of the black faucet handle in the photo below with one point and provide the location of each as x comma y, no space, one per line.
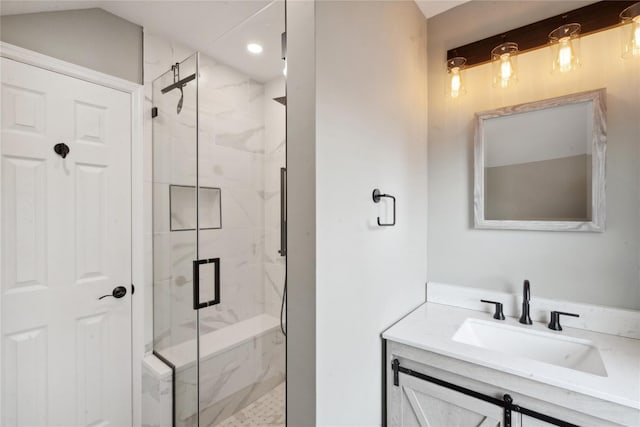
498,314
554,322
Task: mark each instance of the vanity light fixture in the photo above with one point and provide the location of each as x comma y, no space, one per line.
564,38
454,68
565,47
504,62
630,20
254,48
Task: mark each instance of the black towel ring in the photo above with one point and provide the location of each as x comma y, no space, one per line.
377,195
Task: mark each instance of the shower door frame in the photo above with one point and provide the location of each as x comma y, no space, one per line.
138,197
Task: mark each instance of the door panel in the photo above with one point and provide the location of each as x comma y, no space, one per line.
25,378
66,241
425,404
24,237
91,223
528,421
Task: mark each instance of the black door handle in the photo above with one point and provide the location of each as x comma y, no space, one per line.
61,149
118,292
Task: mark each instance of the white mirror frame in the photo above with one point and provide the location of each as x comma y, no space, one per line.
599,143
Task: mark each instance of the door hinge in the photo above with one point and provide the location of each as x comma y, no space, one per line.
154,112
395,365
507,410
283,46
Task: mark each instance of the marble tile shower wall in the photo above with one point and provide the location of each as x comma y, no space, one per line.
275,146
241,150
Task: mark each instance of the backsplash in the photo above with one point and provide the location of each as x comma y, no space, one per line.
607,320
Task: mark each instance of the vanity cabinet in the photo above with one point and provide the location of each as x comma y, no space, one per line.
451,363
428,389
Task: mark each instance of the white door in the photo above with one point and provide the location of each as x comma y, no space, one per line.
65,241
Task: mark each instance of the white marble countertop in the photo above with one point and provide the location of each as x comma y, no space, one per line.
431,327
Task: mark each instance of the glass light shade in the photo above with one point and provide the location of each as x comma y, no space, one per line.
630,19
565,48
455,85
504,63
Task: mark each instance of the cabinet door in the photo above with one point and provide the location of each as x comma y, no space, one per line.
420,403
528,421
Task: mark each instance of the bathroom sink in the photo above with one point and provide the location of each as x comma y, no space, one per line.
554,349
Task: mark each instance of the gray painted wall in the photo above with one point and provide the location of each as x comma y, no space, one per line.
92,38
371,129
597,268
364,90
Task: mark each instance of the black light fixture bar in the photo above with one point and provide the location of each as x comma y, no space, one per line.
594,17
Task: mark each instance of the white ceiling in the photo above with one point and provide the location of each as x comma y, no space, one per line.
217,28
433,7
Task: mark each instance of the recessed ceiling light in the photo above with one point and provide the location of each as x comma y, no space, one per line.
254,48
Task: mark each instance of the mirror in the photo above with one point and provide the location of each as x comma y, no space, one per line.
540,165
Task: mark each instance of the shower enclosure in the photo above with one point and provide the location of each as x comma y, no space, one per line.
218,151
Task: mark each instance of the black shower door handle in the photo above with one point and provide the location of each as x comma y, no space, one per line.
283,212
197,305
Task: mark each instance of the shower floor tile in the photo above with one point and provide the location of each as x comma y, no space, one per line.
266,411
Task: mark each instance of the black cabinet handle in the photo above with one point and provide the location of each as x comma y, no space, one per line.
61,149
118,292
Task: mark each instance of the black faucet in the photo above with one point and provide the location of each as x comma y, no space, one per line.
526,295
554,323
499,314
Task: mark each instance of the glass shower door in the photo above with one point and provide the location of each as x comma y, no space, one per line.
175,232
218,152
241,151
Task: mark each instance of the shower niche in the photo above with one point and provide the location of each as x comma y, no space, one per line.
182,202
218,279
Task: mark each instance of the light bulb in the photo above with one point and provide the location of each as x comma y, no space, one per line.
504,62
565,47
454,70
456,84
565,55
630,20
505,69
